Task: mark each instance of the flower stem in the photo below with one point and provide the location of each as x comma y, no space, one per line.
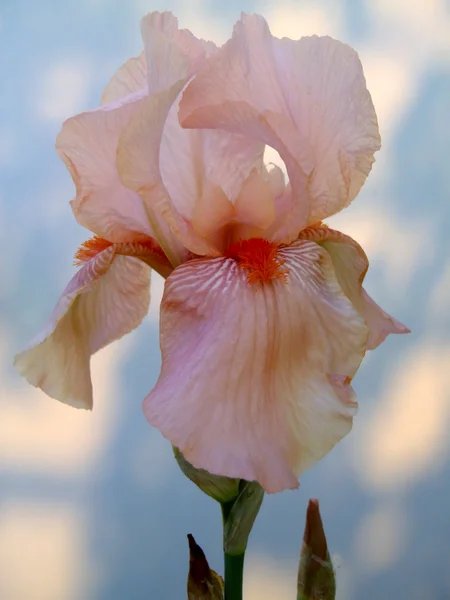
234,576
234,564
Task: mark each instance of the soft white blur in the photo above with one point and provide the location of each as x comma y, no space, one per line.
92,505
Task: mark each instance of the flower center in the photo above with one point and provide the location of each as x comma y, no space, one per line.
259,258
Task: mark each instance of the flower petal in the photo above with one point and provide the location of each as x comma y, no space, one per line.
158,30
179,173
176,172
351,264
305,98
171,53
107,298
130,78
254,377
87,144
255,204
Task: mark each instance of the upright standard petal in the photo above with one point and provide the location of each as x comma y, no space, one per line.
255,376
185,174
172,56
108,297
350,263
155,67
190,178
171,53
306,98
87,144
130,78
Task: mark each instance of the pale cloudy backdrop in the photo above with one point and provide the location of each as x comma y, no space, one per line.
92,506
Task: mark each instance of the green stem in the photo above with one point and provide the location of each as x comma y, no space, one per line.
234,564
234,576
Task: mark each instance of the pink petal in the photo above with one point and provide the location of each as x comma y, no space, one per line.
380,323
107,298
351,264
174,170
306,98
255,204
138,157
129,79
171,53
253,380
158,30
181,174
87,144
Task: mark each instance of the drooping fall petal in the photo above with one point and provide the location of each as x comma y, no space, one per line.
107,298
307,99
255,376
350,263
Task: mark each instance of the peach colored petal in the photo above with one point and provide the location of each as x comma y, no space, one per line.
145,249
305,98
255,204
87,144
276,179
174,170
171,53
281,230
159,32
351,264
212,210
380,323
108,297
138,158
245,388
130,78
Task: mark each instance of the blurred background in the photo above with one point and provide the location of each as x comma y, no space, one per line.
92,505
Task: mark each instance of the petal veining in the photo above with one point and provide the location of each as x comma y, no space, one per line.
130,78
107,298
306,98
180,173
88,144
254,377
351,264
146,249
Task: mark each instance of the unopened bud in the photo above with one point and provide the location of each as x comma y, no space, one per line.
316,580
203,583
239,521
222,489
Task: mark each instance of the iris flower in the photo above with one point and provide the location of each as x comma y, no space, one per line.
264,320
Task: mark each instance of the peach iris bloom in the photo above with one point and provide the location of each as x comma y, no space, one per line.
264,321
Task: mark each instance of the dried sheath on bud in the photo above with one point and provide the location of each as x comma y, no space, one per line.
203,583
